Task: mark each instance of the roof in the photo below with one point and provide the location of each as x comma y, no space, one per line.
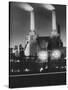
46,38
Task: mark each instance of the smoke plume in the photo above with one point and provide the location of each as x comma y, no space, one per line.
24,6
48,7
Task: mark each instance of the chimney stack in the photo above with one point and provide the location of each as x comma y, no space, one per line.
53,20
32,36
32,25
54,28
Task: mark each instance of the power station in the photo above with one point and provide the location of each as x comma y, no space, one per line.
41,54
43,49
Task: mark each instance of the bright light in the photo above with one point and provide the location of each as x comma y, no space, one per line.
43,56
41,69
27,50
56,54
27,70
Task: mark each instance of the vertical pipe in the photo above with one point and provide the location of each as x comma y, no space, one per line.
53,20
54,28
32,21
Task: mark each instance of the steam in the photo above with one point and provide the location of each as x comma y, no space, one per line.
48,7
52,9
30,9
24,6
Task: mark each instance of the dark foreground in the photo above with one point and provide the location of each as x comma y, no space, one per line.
47,79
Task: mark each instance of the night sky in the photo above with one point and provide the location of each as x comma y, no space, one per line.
20,22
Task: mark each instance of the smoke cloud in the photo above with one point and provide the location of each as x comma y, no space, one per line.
48,7
24,6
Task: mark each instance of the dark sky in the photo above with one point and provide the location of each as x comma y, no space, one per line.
20,22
